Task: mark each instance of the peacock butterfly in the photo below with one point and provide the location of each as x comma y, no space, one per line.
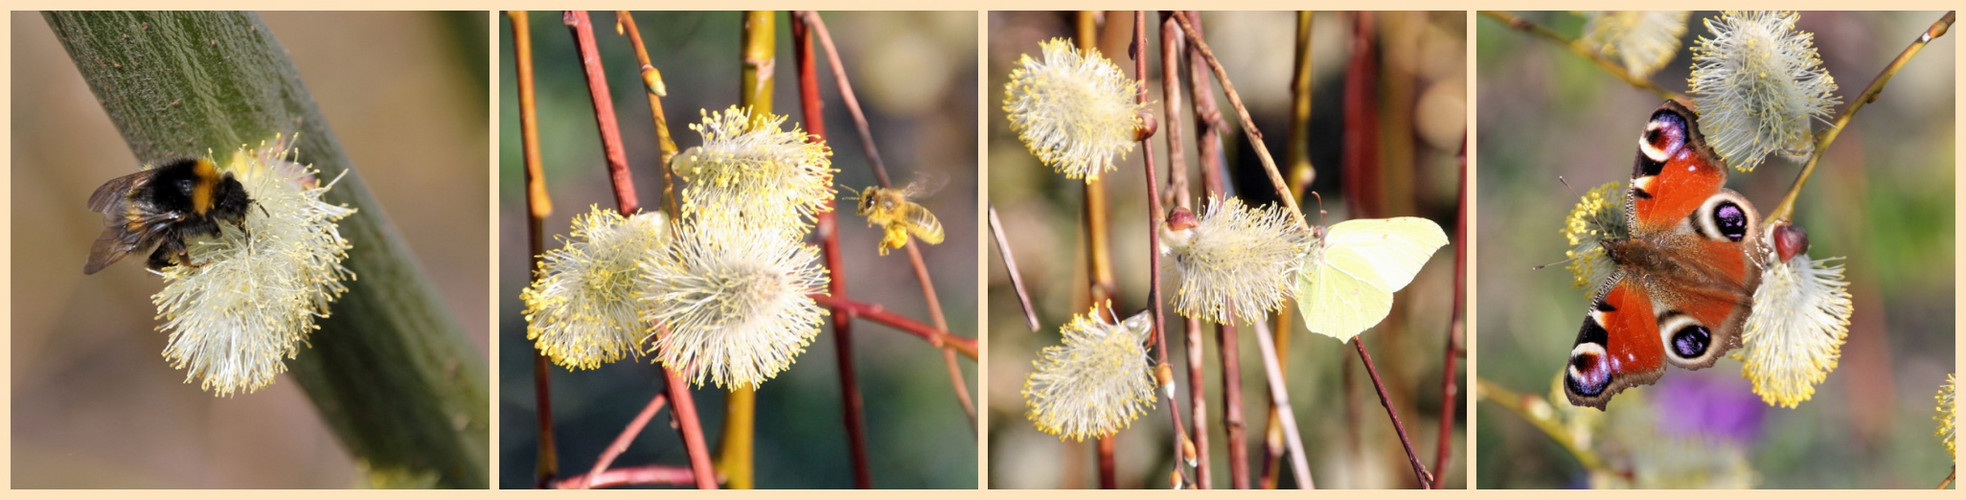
1684,278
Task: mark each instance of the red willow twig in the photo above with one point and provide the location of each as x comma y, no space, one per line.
538,206
1177,195
1184,449
621,442
915,261
665,475
1419,470
876,313
624,189
815,125
1455,326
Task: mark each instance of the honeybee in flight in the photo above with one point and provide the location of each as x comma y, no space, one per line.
896,213
162,206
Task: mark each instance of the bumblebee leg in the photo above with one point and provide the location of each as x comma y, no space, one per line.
160,259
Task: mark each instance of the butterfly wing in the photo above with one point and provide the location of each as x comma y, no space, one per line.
1348,280
1685,278
1610,354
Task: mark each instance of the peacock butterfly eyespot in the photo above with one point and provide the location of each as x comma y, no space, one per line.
1731,220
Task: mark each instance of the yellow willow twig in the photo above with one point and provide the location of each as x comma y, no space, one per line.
1614,69
1938,29
735,458
1538,412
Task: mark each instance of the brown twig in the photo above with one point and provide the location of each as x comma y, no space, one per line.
1870,93
1363,186
852,404
621,442
1449,390
646,475
653,87
1949,478
915,261
624,188
1177,195
1581,50
1010,265
538,207
1108,473
1248,124
940,339
1184,449
1419,469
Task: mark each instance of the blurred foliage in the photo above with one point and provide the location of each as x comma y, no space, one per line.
1421,89
96,405
914,75
1883,197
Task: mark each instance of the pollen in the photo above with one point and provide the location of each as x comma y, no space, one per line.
1237,264
1795,332
1598,216
254,296
750,166
1076,111
1094,384
581,311
731,300
1759,83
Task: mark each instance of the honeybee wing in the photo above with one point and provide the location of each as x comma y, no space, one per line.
921,223
925,183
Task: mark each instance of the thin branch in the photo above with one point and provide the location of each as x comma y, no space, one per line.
1949,477
621,442
646,475
1177,195
624,188
876,313
1870,93
1298,150
1449,391
538,207
1294,442
1248,124
1538,412
1581,50
597,88
1420,474
852,404
1100,286
1184,449
653,87
1010,265
915,261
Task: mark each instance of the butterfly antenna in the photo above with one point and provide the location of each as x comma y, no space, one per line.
1564,261
1320,207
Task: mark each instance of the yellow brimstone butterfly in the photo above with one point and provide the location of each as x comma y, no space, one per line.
1348,278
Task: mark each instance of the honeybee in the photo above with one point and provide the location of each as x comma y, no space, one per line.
892,209
161,206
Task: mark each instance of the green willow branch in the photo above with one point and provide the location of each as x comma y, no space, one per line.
1614,69
1938,29
391,372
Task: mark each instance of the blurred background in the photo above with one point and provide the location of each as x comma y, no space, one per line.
1420,83
1883,197
94,403
914,74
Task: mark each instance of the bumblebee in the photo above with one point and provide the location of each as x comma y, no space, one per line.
892,209
162,206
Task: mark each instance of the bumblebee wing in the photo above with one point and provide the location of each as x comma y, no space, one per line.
922,224
109,198
122,235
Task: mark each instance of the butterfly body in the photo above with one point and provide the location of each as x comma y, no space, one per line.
1685,275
